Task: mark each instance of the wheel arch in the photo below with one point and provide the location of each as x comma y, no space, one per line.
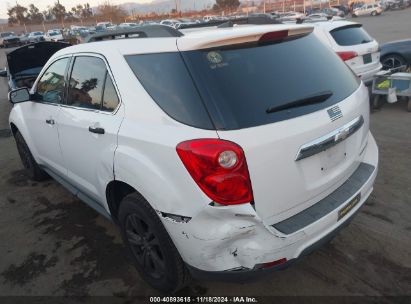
116,191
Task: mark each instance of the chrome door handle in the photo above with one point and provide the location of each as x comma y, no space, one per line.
50,121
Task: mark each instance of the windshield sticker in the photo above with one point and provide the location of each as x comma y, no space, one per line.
215,59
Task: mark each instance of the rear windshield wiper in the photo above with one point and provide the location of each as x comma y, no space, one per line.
308,100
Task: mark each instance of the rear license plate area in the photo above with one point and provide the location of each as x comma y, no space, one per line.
349,206
367,58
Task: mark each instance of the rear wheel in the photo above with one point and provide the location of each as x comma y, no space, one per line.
29,163
148,242
392,61
373,13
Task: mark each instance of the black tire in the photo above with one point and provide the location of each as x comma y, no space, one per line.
392,61
373,13
29,163
150,246
354,15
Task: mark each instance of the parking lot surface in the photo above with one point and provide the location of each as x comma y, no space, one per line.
53,244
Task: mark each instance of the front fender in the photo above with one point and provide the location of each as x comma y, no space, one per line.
16,118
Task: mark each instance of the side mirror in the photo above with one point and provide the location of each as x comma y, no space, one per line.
3,73
19,95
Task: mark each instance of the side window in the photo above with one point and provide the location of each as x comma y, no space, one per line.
110,98
87,82
50,87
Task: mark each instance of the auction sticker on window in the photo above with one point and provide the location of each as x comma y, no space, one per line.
344,210
215,59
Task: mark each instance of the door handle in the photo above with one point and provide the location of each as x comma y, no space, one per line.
50,121
96,130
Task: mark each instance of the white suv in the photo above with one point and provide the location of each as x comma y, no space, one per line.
367,10
209,151
353,44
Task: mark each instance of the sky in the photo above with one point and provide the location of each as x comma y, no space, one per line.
42,4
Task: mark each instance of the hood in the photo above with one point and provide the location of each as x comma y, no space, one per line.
32,56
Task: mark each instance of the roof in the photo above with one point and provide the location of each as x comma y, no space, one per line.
204,38
333,24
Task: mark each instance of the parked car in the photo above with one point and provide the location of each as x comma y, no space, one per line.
291,16
36,37
24,38
54,35
205,172
330,11
354,46
127,25
367,10
25,63
342,8
8,39
395,54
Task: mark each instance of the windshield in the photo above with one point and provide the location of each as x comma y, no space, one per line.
246,86
350,35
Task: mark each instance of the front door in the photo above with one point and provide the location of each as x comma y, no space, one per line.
42,116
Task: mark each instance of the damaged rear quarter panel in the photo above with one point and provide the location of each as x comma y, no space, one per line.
222,238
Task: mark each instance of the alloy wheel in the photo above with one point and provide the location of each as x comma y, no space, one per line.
145,246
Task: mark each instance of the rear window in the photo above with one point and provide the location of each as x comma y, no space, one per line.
238,85
350,35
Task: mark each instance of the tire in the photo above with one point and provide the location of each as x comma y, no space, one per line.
392,61
150,246
29,163
373,13
354,15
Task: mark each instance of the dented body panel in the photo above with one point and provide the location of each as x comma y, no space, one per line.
229,238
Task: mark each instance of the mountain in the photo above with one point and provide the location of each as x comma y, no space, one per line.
164,6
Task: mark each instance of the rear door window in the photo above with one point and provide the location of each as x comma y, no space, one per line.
350,35
86,83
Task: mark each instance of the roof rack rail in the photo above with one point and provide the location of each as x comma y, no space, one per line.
147,31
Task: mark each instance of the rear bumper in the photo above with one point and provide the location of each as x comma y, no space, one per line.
223,242
368,76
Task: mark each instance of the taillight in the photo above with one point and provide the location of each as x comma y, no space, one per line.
219,168
273,36
347,55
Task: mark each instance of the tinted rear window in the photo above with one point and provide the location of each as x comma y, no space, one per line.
238,85
166,79
350,35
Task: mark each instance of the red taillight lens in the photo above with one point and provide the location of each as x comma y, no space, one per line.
273,36
219,168
347,55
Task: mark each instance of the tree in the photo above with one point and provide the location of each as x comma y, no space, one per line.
226,4
17,14
34,14
47,14
58,11
111,12
86,12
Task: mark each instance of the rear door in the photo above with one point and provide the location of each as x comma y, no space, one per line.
89,123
